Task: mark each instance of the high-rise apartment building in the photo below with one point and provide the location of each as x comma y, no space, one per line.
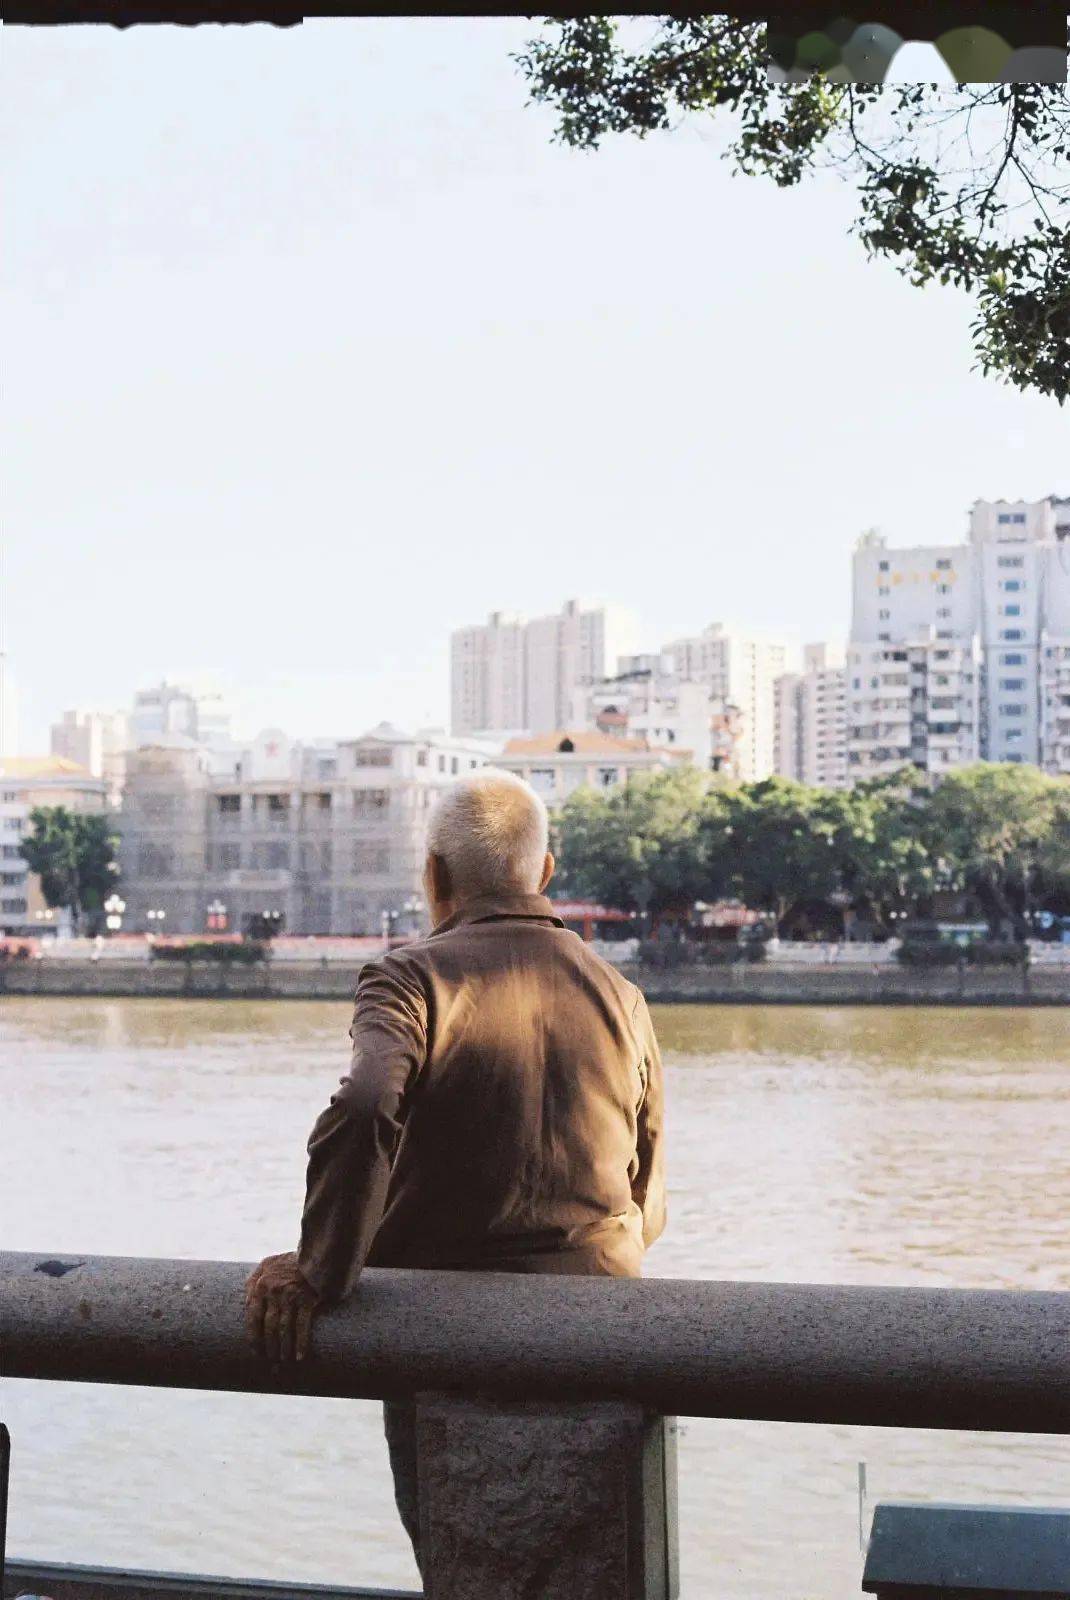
740,672
811,720
646,701
510,675
171,708
962,652
96,740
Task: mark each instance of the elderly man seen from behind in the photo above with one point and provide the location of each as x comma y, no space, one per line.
503,1107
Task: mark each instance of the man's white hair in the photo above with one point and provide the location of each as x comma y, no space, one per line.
491,829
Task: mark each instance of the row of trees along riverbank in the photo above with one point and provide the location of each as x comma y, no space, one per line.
889,849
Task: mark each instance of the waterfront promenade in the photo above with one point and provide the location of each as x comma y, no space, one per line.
325,969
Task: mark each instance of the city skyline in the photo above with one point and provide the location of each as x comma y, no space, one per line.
299,385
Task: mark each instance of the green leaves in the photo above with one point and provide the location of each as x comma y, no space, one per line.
74,855
885,847
966,186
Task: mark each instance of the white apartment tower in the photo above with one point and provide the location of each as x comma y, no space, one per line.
741,672
811,720
961,652
512,675
96,740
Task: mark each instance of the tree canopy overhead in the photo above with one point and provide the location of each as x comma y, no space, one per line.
969,185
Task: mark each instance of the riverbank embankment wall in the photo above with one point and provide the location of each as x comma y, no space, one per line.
744,984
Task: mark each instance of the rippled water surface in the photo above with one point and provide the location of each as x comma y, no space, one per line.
856,1146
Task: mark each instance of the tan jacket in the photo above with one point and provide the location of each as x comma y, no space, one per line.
503,1110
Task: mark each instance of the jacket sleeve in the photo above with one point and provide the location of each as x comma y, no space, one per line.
648,1185
352,1146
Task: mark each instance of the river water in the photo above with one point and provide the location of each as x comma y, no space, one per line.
822,1145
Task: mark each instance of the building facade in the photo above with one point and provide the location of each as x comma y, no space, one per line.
25,783
509,674
171,708
740,672
811,720
330,836
982,631
97,741
556,765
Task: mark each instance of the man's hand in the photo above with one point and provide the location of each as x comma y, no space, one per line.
279,1307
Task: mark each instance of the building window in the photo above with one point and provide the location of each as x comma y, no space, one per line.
943,611
10,852
230,803
13,824
1011,633
442,763
1010,561
1012,710
1011,585
326,769
228,856
1013,660
1014,685
11,880
155,861
371,799
944,633
1010,611
885,638
884,589
883,616
943,588
373,859
1014,735
421,758
373,758
9,796
882,566
14,907
454,764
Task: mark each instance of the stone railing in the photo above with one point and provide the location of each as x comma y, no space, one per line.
554,1390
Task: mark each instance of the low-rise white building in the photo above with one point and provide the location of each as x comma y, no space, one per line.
332,836
556,765
25,783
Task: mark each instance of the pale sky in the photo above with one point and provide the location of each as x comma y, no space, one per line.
316,348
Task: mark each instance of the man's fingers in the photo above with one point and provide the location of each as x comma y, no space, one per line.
271,1327
305,1314
287,1312
254,1321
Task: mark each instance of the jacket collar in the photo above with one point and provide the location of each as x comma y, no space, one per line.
498,907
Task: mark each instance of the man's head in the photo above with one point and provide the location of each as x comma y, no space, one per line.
488,835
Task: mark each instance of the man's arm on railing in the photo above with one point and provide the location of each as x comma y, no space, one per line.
648,1186
351,1149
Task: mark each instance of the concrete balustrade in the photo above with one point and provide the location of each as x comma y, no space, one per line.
529,1387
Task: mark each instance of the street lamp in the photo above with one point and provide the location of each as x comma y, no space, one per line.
114,908
155,921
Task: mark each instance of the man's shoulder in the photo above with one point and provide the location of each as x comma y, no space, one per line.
629,993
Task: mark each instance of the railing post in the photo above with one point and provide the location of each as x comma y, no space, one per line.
560,1500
